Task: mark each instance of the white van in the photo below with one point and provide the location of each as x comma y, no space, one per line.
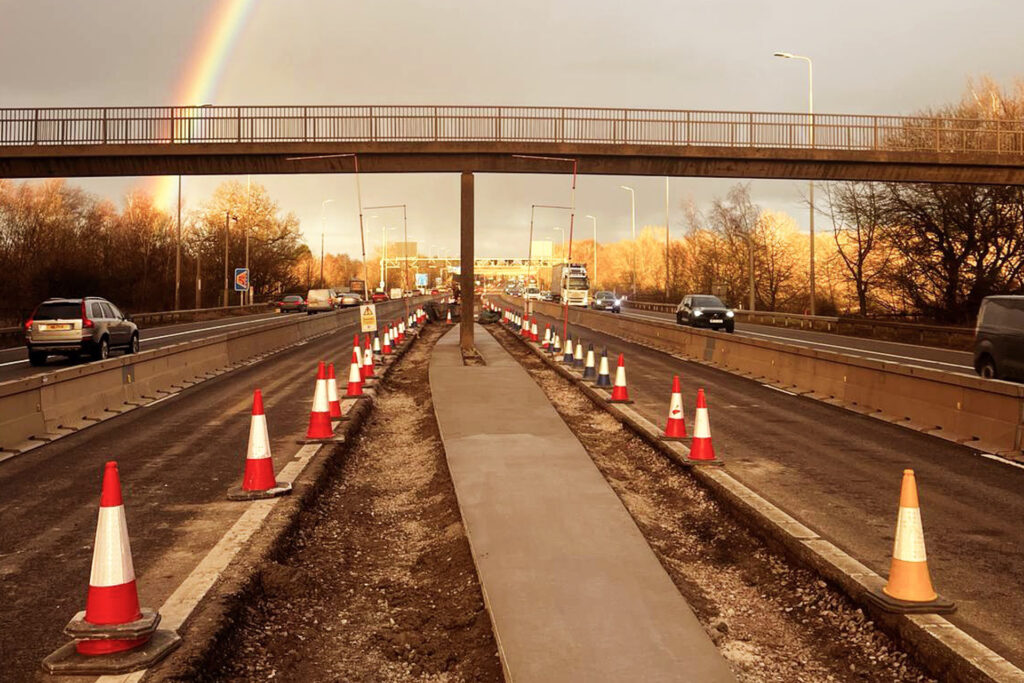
319,300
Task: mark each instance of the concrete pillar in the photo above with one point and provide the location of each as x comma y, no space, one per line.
466,259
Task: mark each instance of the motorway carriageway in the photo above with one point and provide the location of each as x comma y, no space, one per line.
839,473
14,361
950,360
177,458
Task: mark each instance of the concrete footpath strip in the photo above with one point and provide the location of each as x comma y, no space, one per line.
573,589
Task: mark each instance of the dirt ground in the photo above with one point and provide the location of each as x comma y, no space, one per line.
379,583
772,621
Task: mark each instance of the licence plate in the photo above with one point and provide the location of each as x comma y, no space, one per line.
59,326
717,320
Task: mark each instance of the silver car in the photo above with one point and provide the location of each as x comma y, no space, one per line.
71,327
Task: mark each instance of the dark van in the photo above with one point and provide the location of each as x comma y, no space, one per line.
999,338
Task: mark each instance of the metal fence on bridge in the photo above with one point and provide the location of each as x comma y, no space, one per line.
244,124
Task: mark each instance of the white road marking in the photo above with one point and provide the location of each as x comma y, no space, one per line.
855,350
1001,460
153,403
778,389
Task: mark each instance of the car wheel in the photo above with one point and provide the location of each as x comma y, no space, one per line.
679,319
37,358
730,328
102,351
987,368
133,345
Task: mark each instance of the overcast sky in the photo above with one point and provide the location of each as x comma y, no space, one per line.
869,57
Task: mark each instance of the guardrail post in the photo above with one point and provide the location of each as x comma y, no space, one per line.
688,127
174,122
238,120
305,124
497,126
874,143
35,126
373,126
561,126
435,125
104,125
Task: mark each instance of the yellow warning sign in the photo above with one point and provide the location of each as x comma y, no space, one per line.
368,317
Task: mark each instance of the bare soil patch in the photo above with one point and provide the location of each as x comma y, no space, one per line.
771,620
378,583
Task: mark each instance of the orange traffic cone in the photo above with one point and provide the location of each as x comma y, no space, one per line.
620,394
355,377
355,345
701,450
909,588
368,372
533,330
113,634
333,405
387,343
259,481
675,428
320,415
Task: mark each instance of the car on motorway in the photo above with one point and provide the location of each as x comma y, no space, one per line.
531,293
378,297
705,310
319,301
999,338
293,303
349,299
434,292
606,301
546,295
71,327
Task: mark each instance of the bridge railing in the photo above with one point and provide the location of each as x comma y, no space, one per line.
245,124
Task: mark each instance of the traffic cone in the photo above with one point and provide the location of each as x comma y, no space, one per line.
533,330
546,343
675,428
258,481
702,450
355,377
577,356
604,378
589,370
620,393
909,588
567,351
376,343
448,321
556,345
113,634
386,350
401,331
320,414
355,343
368,370
333,405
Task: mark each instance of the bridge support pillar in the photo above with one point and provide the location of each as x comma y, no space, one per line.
466,261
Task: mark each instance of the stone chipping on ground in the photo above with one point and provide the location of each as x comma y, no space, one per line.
378,583
772,621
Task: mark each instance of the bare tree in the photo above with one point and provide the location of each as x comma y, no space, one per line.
858,212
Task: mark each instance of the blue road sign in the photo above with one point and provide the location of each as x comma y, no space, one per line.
421,279
241,279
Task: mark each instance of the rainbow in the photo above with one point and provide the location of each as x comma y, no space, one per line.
218,35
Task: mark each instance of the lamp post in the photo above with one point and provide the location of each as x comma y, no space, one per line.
593,220
405,247
667,229
177,255
810,112
227,280
632,223
323,229
562,230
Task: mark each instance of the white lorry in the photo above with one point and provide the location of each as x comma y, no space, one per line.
569,284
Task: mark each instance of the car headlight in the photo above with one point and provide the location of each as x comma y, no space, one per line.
618,301
729,314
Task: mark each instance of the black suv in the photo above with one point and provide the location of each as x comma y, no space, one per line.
705,310
71,327
999,338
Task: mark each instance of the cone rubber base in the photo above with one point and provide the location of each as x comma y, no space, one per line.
675,438
328,439
279,488
620,400
81,629
66,660
599,383
887,603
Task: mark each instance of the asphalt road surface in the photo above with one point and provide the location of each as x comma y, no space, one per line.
177,458
14,361
950,360
839,473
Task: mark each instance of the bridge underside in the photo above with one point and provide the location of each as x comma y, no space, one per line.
43,161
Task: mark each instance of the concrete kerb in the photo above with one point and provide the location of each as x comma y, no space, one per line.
209,624
940,646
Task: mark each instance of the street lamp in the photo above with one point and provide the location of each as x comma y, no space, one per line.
594,221
562,230
384,256
632,222
227,280
323,229
810,111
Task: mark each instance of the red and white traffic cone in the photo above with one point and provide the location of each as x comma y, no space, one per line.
533,331
113,634
401,331
355,344
355,377
675,428
376,343
320,415
620,394
387,343
258,481
701,450
448,319
368,370
546,344
333,404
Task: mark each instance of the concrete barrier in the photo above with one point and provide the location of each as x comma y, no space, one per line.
984,414
942,336
39,408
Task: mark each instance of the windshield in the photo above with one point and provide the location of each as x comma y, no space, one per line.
707,302
604,295
293,298
578,283
532,290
